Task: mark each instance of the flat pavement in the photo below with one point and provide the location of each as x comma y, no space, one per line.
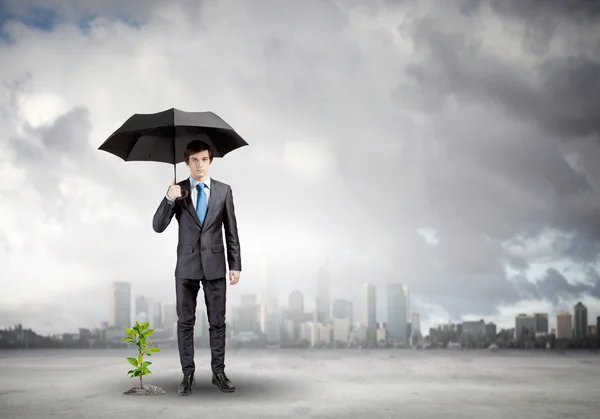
309,383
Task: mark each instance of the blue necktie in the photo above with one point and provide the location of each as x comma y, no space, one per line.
201,203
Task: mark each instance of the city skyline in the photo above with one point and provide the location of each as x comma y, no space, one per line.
310,306
261,324
122,301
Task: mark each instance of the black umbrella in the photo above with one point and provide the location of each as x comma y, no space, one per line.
162,136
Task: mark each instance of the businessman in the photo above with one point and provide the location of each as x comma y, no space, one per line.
202,213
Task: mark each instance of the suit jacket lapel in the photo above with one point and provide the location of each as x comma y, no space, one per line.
187,202
215,196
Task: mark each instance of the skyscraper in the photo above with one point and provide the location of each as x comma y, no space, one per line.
408,307
170,319
541,322
416,325
296,302
524,327
368,310
397,319
155,314
581,320
269,295
120,305
323,301
343,309
141,308
564,327
150,310
246,316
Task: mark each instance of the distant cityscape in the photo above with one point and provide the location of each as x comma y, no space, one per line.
330,325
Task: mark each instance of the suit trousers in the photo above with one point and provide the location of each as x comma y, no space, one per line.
214,298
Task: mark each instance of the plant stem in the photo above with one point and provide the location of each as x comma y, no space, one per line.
141,386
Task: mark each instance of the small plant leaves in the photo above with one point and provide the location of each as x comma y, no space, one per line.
141,332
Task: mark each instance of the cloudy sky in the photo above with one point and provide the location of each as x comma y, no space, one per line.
453,149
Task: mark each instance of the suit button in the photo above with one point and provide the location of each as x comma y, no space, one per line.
203,249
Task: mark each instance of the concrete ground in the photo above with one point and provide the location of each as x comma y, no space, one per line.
306,384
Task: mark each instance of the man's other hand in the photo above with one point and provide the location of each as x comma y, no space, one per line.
234,277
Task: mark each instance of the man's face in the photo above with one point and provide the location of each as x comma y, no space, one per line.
199,164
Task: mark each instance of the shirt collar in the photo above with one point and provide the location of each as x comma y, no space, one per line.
194,182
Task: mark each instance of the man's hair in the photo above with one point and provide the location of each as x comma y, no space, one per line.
194,147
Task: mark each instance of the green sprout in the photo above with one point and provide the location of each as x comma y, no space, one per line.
138,335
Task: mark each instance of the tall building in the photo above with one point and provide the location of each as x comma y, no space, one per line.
270,317
271,324
269,297
408,307
246,316
475,329
341,330
564,326
157,314
150,310
296,313
368,311
397,320
382,334
541,323
323,300
170,319
120,305
581,320
490,331
524,327
342,309
141,308
296,302
416,325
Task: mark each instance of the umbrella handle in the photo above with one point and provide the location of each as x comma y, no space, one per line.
185,194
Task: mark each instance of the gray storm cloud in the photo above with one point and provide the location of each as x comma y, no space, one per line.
530,185
557,289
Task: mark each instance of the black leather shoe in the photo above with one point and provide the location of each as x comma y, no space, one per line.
221,381
185,388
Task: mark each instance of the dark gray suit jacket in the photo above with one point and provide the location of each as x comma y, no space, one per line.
200,247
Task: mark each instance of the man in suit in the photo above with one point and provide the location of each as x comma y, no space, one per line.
202,213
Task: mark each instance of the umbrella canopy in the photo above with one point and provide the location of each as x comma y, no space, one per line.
163,136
